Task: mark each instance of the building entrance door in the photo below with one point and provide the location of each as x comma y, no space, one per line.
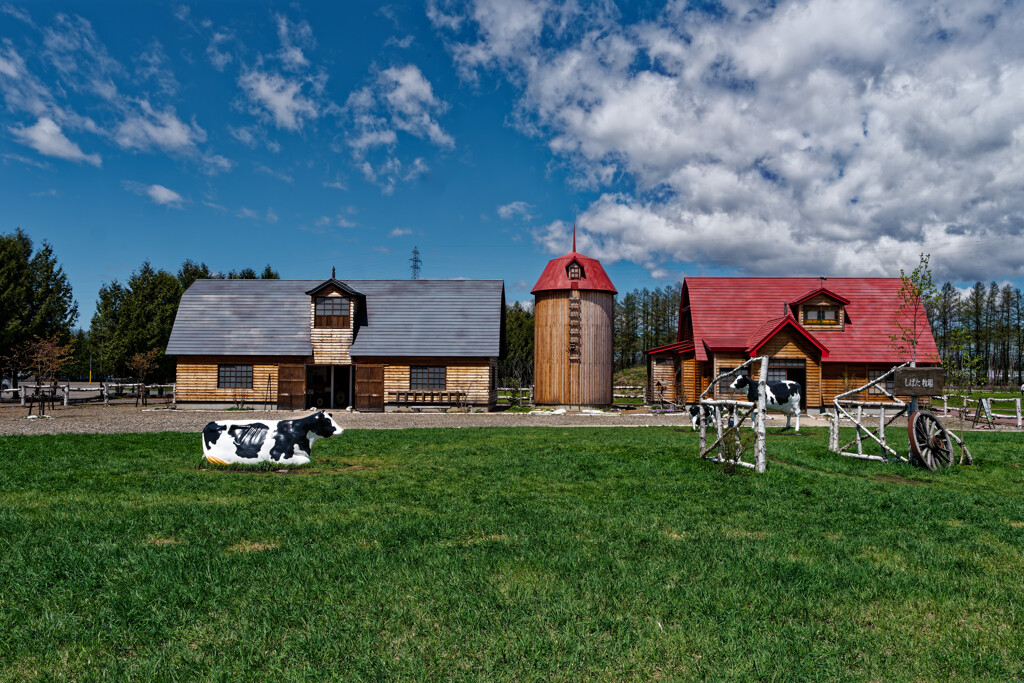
291,387
369,386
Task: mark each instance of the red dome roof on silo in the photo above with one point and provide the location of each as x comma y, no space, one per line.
555,275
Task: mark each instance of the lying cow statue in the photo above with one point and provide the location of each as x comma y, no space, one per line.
783,396
287,442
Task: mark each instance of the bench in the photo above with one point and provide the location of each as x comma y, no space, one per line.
423,398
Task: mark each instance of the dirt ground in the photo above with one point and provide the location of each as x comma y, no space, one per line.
121,418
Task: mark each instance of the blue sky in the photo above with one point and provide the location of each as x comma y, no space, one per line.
815,137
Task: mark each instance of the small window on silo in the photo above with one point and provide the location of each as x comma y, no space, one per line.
575,271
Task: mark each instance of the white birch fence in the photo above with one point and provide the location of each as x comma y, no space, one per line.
62,392
738,412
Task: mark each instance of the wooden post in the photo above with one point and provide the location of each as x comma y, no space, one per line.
21,391
881,427
106,394
860,415
718,429
67,393
833,433
760,448
702,431
174,392
1019,423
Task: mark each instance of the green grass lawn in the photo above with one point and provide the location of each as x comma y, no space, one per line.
516,554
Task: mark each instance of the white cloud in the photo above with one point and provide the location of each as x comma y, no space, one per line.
146,128
399,232
151,65
271,216
280,175
335,184
217,57
294,37
812,136
401,43
281,97
399,99
513,209
244,212
46,138
160,195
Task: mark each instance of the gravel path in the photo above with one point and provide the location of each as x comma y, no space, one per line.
112,419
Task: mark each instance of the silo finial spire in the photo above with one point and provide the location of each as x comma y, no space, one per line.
574,237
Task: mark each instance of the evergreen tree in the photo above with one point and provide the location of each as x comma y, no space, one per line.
36,300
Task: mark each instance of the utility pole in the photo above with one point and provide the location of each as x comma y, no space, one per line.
416,263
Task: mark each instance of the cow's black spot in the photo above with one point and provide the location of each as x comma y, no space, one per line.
249,438
211,433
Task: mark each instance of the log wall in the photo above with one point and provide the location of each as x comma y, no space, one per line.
838,378
196,378
471,375
555,382
788,344
662,370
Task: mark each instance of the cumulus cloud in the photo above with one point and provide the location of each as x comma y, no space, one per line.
399,232
398,100
279,97
294,38
47,138
158,194
219,58
804,137
145,128
513,209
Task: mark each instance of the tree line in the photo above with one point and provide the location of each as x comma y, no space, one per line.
127,334
129,331
984,324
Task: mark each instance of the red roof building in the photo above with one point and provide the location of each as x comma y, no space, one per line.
829,334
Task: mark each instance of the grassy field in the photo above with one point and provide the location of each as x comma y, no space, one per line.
515,554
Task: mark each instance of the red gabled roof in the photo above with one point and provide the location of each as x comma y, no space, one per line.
727,312
815,292
556,277
772,327
678,347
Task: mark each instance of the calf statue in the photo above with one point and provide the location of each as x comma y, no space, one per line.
287,442
782,396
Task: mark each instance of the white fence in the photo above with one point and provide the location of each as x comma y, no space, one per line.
63,392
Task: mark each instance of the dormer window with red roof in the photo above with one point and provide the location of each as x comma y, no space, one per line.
574,271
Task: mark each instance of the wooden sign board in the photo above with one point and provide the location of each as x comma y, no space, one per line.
919,382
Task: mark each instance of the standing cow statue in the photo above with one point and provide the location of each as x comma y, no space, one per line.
287,442
783,396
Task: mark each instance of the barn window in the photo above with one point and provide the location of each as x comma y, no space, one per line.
574,271
821,315
890,382
427,377
234,377
331,311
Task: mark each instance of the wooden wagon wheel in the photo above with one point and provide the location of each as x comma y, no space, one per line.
929,440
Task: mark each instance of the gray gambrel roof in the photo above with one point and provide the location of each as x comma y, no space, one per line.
402,318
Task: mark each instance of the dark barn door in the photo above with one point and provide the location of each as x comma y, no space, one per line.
291,387
369,388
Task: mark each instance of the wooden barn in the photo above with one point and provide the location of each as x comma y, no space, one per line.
368,344
830,335
574,314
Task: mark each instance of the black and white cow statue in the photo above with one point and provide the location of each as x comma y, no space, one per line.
287,442
783,396
699,411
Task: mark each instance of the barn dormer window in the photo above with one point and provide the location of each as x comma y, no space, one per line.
331,312
574,271
821,315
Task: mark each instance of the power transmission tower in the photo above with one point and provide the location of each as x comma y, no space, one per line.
416,262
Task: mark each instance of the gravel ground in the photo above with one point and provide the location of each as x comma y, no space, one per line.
99,419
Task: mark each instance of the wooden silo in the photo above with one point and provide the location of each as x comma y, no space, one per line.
574,313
